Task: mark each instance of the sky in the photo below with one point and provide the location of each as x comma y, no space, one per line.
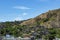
11,10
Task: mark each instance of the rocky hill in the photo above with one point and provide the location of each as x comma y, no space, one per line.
37,26
48,19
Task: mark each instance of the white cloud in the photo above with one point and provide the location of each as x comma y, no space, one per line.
21,7
18,18
24,14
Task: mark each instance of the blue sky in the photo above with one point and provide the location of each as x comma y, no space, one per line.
11,10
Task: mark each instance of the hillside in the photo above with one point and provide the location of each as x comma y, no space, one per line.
48,19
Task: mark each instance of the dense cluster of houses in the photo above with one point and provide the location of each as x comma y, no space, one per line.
26,38
8,37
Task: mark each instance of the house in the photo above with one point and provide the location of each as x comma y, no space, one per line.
0,37
8,37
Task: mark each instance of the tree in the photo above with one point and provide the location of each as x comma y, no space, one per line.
52,33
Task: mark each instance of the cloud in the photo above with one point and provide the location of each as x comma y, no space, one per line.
18,18
24,14
21,7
